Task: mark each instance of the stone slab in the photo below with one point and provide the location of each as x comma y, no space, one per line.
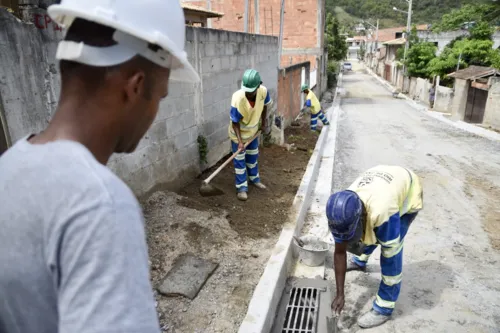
187,276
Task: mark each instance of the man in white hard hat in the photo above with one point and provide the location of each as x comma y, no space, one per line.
73,255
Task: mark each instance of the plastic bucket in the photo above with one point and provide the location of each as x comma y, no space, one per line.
314,251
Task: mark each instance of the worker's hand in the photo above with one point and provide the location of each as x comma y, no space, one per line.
241,146
338,304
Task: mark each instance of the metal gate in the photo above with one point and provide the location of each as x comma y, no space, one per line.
387,73
476,104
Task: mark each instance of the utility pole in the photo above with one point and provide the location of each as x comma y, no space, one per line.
376,37
408,28
245,23
209,6
280,40
256,17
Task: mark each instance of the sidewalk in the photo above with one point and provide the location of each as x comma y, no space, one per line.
477,130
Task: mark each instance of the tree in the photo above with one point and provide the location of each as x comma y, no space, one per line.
418,59
456,19
335,43
362,51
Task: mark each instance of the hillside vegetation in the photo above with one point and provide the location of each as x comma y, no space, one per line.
424,11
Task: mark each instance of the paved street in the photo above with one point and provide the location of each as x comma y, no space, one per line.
451,275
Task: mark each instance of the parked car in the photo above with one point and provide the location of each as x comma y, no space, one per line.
347,66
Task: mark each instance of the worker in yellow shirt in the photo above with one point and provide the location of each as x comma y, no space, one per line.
248,110
377,209
313,104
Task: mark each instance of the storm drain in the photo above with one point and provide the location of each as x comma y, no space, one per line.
304,307
302,311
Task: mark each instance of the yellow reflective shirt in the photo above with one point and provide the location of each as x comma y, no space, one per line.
314,102
247,116
387,190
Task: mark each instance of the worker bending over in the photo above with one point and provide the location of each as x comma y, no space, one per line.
248,110
312,102
377,209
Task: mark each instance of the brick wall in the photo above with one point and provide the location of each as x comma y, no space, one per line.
289,94
492,111
168,154
300,34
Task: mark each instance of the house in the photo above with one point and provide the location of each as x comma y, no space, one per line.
355,44
389,65
477,95
198,16
376,40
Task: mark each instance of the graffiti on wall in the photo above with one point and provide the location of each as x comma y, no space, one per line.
43,21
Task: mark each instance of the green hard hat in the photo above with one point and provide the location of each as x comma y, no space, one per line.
304,87
251,80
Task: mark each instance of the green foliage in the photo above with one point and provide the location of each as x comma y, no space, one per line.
336,44
457,17
202,148
424,11
332,68
470,52
482,30
418,59
362,52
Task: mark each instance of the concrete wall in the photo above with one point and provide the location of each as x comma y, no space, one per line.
461,91
289,94
444,38
444,99
168,154
492,111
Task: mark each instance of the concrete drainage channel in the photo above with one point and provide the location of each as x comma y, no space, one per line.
303,303
270,305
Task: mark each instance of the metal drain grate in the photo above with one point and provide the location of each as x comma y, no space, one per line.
302,311
304,307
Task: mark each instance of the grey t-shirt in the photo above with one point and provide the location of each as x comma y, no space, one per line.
73,255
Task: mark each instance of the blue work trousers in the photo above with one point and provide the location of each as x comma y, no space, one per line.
246,163
391,263
314,119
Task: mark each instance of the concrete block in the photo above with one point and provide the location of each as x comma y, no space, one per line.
188,119
209,111
174,125
213,35
190,49
210,49
157,131
219,136
167,148
210,65
190,154
190,31
182,139
207,99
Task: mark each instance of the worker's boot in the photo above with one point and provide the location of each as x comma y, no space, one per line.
372,319
260,185
353,266
242,196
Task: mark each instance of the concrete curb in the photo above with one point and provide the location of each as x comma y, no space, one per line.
267,294
483,132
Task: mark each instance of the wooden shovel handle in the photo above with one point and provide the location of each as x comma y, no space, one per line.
216,172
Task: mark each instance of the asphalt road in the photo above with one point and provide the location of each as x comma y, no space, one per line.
451,274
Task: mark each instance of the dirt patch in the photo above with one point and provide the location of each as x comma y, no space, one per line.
490,211
266,210
239,236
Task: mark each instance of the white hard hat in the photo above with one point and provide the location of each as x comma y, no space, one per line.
138,24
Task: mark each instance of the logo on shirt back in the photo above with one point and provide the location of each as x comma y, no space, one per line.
369,176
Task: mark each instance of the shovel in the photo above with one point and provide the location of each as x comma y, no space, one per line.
207,189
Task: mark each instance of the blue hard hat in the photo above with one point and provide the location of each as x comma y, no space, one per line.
344,210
